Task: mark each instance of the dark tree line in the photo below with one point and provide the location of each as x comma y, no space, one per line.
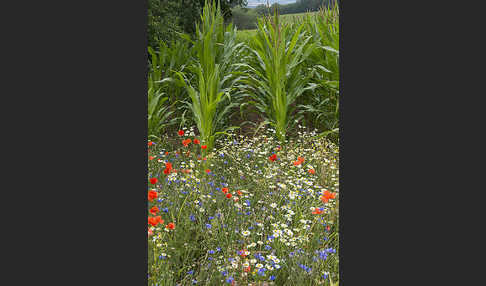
167,17
298,7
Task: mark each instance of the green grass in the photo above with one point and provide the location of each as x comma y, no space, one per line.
245,35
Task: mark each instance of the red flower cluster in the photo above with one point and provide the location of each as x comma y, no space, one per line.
155,220
153,181
299,161
168,168
312,171
186,142
204,146
170,225
196,141
181,132
273,157
317,211
154,210
326,195
152,195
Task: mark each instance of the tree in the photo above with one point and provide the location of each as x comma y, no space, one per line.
167,17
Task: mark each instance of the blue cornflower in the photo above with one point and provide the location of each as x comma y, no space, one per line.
211,217
192,217
268,247
165,210
261,271
272,278
190,272
211,251
229,280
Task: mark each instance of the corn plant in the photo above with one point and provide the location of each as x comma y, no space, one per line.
215,74
274,77
164,65
158,112
323,103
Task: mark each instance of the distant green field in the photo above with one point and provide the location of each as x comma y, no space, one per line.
245,35
292,17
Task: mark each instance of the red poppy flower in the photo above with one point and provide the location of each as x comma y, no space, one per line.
273,157
312,171
150,143
186,142
317,211
229,196
204,159
154,210
204,146
152,195
301,159
328,228
181,132
152,221
239,193
159,219
224,190
326,195
151,158
196,141
153,181
208,171
166,153
296,163
168,168
171,225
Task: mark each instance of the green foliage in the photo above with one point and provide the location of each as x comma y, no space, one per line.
323,103
163,23
274,75
244,18
287,69
166,18
300,6
158,113
165,63
215,48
